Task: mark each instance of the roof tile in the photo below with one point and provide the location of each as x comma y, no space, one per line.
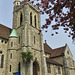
58,51
47,48
54,52
48,60
4,31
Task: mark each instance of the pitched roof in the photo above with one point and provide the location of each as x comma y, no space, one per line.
58,51
54,52
48,60
47,48
4,31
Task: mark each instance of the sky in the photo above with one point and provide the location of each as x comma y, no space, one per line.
59,40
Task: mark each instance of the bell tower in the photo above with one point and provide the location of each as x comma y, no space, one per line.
26,21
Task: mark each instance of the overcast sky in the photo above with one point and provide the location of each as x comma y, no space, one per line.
6,17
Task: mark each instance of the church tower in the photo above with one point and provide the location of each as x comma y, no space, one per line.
26,22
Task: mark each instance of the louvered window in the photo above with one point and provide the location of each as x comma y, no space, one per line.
35,20
31,18
21,19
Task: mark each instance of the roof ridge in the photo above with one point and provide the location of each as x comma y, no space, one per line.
64,49
58,48
48,46
5,26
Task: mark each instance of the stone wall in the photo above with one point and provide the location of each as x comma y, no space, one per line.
3,51
54,69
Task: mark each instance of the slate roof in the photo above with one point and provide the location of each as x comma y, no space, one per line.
4,31
48,60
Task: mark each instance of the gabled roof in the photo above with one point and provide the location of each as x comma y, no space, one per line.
47,48
58,52
54,52
4,31
51,61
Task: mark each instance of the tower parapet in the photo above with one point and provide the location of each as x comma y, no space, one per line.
17,2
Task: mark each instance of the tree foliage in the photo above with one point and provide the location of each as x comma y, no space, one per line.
27,56
61,11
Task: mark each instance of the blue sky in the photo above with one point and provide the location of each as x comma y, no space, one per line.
6,18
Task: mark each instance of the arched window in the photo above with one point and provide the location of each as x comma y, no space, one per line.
2,61
35,20
19,67
34,39
21,19
11,56
31,18
10,68
17,3
59,70
19,39
48,68
11,44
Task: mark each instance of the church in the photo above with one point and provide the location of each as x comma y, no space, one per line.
24,37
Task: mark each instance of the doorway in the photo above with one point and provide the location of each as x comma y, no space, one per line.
36,69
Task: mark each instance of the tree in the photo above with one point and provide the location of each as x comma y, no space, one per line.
54,9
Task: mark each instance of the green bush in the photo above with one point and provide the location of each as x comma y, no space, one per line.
27,56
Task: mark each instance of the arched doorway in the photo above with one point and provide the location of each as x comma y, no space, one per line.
36,69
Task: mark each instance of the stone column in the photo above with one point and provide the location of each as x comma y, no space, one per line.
28,68
14,19
26,13
43,59
22,67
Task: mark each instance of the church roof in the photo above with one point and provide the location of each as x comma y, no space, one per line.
54,52
13,33
47,48
51,61
4,31
58,52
